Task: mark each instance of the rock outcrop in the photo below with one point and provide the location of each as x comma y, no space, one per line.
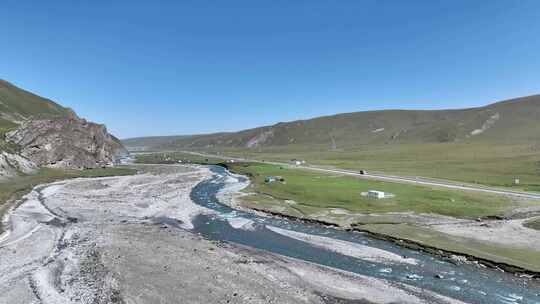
13,164
66,142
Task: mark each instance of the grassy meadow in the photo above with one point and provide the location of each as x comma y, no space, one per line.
320,190
314,191
485,164
174,158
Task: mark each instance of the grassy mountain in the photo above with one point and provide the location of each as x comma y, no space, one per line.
154,141
17,105
513,121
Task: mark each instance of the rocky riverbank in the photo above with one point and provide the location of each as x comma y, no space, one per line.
127,240
476,231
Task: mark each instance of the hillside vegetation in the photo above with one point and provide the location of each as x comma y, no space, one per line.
491,145
509,122
17,105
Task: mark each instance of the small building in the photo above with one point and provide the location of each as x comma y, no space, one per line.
271,179
516,181
376,194
298,162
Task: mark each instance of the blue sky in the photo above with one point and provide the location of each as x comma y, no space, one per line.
184,67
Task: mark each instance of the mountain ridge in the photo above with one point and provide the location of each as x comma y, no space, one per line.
514,120
17,105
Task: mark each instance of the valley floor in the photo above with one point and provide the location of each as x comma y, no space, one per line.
475,164
495,229
500,230
127,240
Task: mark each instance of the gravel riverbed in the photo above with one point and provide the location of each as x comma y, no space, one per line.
128,240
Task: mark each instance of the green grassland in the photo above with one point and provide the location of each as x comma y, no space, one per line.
17,105
313,190
318,190
485,164
313,193
17,102
14,188
174,158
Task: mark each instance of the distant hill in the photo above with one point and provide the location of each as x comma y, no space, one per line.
144,143
511,121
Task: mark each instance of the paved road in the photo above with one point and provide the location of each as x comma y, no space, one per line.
400,179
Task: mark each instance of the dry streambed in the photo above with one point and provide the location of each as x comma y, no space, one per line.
127,240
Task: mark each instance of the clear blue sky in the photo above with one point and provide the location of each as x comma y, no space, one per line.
183,67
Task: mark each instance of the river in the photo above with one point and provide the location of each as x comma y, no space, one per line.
299,240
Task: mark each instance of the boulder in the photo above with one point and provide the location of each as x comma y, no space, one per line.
13,164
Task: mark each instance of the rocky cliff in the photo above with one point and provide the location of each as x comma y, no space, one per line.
38,132
66,142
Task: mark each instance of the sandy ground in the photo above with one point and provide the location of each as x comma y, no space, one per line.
347,248
127,240
515,234
487,231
